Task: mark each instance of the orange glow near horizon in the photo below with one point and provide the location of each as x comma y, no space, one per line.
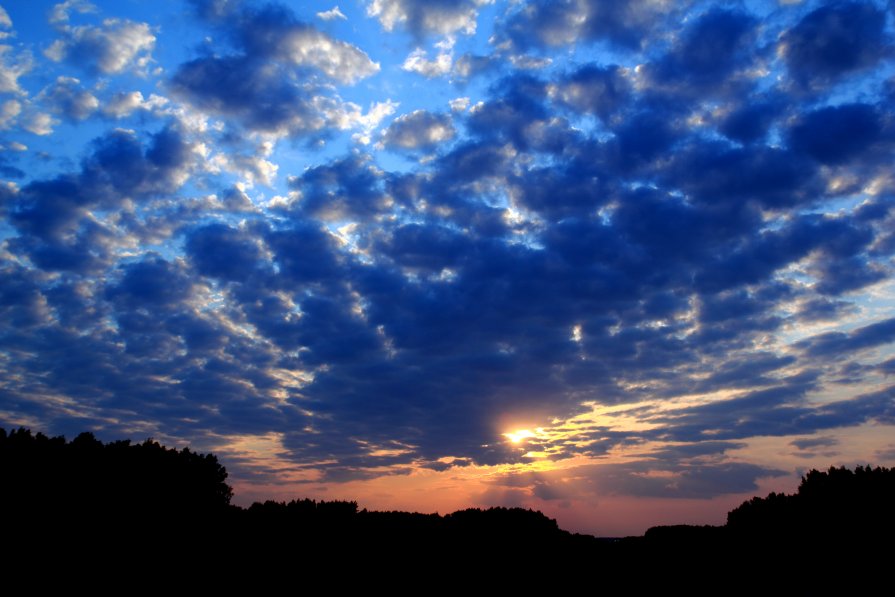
555,475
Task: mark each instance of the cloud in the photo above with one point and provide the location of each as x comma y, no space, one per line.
459,104
834,41
266,84
9,110
419,130
123,104
808,443
345,189
628,25
653,478
219,251
840,345
68,99
838,134
12,66
602,91
57,230
646,479
39,123
152,282
714,55
114,47
332,14
750,122
420,17
418,63
59,14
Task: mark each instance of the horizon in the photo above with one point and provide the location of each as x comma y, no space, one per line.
624,264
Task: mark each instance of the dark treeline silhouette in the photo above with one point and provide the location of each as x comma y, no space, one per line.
839,503
85,481
141,499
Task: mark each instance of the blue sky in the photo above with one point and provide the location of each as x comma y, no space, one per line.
626,263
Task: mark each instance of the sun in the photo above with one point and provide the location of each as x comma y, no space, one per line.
519,435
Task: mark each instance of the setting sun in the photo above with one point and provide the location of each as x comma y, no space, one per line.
519,435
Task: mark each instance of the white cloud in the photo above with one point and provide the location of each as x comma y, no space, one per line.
112,48
40,123
254,169
9,110
443,18
348,115
530,62
12,67
59,14
417,62
370,121
125,103
337,59
332,14
5,21
459,104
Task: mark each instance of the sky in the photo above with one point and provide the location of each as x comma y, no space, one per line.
626,263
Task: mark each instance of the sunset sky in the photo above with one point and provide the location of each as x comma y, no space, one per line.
627,263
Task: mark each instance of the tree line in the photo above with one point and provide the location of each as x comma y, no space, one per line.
144,498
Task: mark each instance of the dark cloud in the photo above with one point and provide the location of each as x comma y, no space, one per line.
350,188
120,163
887,367
772,177
833,41
846,275
824,309
601,91
305,254
275,79
777,411
748,370
840,345
518,114
265,99
709,56
839,134
628,25
153,283
648,478
220,251
54,218
702,482
750,122
808,443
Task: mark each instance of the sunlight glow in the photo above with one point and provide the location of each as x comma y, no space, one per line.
519,435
